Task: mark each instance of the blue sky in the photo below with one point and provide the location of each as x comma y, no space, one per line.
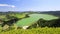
26,5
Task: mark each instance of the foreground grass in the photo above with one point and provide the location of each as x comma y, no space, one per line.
34,31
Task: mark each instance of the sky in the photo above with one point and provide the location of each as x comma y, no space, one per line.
29,5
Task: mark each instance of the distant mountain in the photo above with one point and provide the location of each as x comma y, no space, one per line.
55,13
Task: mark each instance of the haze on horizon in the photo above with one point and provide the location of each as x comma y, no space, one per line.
29,5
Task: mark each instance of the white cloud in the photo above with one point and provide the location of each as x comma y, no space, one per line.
7,5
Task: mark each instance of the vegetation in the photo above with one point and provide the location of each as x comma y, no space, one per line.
44,30
38,23
34,18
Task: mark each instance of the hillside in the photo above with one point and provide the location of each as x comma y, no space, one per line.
55,13
33,18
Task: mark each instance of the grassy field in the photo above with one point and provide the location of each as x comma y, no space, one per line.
44,30
30,20
33,18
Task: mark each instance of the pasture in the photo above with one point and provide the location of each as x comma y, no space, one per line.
33,18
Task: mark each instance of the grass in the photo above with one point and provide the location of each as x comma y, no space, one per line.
18,15
44,30
30,20
33,18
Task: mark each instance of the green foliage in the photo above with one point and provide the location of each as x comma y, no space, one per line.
45,30
30,21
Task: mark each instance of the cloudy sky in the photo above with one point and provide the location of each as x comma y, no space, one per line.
26,5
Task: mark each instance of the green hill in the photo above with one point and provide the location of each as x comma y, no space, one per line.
33,18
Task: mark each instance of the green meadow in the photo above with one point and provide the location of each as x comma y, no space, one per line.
33,18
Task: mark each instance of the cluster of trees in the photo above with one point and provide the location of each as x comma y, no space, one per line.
49,23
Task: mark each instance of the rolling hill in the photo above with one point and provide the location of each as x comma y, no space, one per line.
55,13
33,18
